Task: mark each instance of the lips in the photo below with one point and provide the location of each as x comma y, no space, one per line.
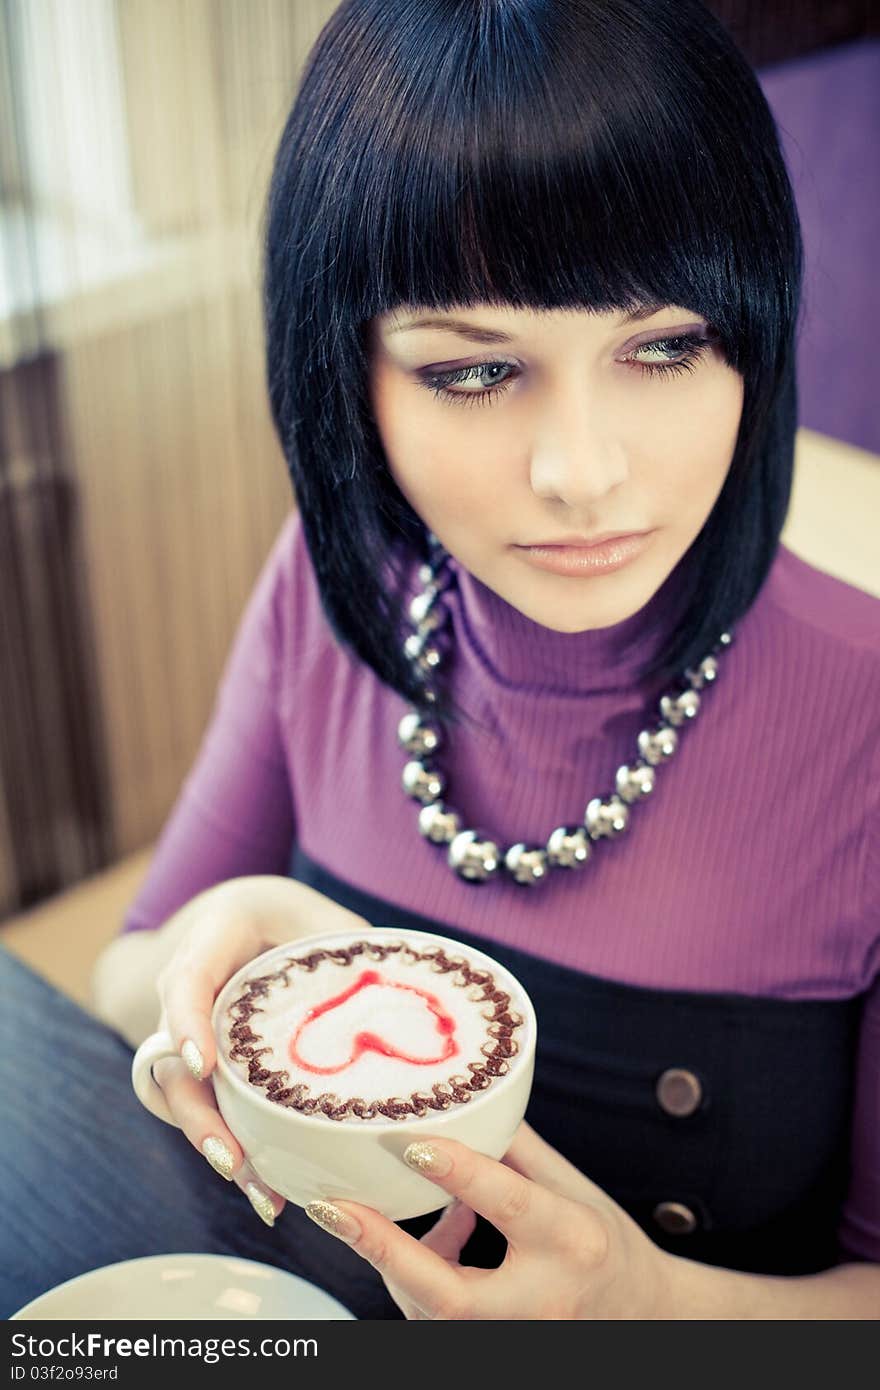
581,542
586,561
401,1022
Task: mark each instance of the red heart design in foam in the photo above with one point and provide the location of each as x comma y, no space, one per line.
364,1041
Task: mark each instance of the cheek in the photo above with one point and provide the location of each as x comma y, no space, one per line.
693,443
434,452
399,421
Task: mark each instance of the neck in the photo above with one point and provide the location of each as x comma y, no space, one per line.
520,653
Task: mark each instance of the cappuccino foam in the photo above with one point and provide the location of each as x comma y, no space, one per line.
372,1030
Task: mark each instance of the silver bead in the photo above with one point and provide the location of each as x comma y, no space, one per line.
432,621
430,659
569,847
438,824
473,858
634,781
604,819
415,645
470,853
423,783
426,655
422,604
656,745
527,864
677,709
417,736
704,674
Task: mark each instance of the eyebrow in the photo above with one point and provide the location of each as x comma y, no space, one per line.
493,335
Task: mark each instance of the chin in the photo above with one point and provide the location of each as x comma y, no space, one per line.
590,625
589,611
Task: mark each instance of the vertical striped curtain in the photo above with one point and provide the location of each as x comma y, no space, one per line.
55,824
140,481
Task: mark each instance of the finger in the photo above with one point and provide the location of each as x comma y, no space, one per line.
191,983
193,1107
284,909
446,1237
534,1158
266,1202
528,1214
417,1273
256,912
451,1233
409,1309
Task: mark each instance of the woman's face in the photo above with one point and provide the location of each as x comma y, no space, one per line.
505,428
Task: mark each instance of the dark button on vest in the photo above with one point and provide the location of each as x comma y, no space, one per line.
675,1218
679,1092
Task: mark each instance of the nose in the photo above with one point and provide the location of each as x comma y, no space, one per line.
578,456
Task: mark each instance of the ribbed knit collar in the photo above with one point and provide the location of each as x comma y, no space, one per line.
518,653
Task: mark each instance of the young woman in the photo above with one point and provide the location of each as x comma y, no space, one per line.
531,290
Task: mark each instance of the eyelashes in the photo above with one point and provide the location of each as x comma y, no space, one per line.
689,347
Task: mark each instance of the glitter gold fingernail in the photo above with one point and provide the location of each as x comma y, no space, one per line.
261,1202
221,1158
425,1158
193,1058
332,1219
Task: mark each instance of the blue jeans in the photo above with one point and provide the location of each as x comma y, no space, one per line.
90,1178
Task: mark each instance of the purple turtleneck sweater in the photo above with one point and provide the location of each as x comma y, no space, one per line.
753,868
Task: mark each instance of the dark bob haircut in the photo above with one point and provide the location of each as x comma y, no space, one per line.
538,154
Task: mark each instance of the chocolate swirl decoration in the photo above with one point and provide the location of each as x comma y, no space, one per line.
456,1090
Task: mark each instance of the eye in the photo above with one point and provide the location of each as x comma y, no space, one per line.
438,382
680,353
677,354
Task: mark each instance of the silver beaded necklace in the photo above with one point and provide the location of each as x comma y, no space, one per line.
472,854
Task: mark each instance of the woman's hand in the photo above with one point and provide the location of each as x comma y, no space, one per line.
218,932
572,1251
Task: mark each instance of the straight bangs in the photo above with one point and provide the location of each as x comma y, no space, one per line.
574,155
549,157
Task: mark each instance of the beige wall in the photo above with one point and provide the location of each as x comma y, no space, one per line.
183,489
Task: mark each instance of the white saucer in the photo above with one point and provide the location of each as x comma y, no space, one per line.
184,1287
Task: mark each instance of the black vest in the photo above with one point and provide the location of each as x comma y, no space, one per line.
753,1177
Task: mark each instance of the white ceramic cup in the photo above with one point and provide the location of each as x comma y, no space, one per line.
307,1157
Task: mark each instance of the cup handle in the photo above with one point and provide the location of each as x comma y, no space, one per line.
152,1050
